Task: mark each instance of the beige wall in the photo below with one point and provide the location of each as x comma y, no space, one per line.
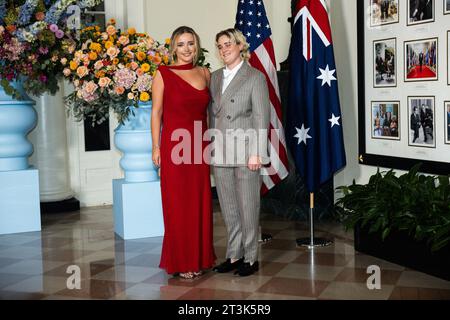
208,17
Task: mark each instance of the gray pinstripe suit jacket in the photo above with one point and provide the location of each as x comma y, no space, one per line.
244,106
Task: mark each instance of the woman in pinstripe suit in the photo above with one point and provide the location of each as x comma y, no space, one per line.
239,112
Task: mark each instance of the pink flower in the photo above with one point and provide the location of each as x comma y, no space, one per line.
105,36
98,65
139,72
90,87
59,34
104,82
123,40
111,30
54,28
66,72
82,71
63,61
144,82
134,65
112,52
124,78
119,90
130,96
43,50
43,78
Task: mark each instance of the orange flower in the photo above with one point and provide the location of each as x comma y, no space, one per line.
131,31
168,41
100,74
145,67
11,28
92,55
108,44
112,21
141,56
166,60
157,59
73,65
40,16
94,46
119,90
115,61
144,96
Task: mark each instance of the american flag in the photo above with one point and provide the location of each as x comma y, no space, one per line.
314,127
251,20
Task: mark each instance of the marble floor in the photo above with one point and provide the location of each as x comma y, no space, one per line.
34,265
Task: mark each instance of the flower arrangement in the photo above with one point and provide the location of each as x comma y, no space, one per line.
112,70
34,43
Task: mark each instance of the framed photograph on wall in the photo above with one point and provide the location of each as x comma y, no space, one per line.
419,11
447,121
385,116
384,63
383,12
414,141
421,121
448,56
446,6
421,60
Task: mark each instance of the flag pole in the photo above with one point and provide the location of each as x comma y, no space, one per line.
312,242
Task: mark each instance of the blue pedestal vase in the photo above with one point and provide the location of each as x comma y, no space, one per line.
17,119
137,198
134,139
19,182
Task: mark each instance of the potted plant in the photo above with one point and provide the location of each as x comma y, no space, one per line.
405,219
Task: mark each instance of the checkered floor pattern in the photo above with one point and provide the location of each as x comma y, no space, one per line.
34,265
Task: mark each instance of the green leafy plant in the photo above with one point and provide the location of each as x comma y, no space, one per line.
412,202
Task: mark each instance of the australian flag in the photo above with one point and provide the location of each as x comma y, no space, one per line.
314,121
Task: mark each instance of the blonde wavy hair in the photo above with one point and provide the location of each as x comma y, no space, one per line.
173,46
238,38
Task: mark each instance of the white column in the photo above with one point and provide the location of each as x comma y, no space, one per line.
136,11
50,154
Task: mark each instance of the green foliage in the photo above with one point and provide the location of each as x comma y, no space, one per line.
415,203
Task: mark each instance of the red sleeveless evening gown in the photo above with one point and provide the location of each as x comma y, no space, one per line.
185,187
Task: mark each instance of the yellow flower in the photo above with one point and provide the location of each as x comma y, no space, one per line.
166,60
108,44
141,56
131,31
168,41
73,65
94,46
115,61
144,96
145,67
92,55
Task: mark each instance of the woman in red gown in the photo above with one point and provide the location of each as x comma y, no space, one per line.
180,98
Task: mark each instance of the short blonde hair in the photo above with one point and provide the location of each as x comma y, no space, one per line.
173,46
237,37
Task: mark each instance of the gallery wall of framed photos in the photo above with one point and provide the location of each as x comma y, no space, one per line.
404,84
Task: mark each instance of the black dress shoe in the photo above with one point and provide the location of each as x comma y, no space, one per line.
227,266
247,269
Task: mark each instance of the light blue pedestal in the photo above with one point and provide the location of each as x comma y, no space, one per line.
19,201
137,209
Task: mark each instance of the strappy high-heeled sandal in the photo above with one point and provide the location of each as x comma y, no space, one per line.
198,274
187,275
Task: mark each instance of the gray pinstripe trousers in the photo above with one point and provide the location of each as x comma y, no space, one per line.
238,189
